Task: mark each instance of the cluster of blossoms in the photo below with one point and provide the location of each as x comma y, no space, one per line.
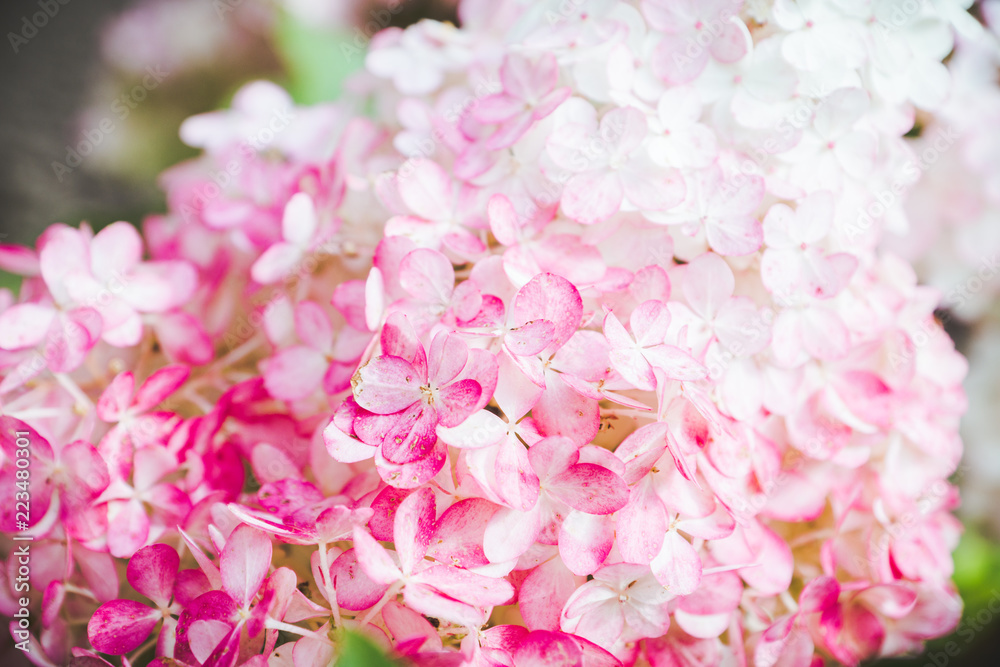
948,226
579,351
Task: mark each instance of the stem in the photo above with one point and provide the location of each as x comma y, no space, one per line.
239,352
389,594
274,624
625,412
142,649
70,588
331,593
74,390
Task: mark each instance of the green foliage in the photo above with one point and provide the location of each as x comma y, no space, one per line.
317,60
358,651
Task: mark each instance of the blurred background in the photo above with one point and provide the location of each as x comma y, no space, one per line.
94,92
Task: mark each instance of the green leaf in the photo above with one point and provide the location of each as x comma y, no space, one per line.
317,60
10,281
356,650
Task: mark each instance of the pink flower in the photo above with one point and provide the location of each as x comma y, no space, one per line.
454,594
530,94
610,165
694,32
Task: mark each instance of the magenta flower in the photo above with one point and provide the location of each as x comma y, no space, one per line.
66,481
452,594
121,626
565,485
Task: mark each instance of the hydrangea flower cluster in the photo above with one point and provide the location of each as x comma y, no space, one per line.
579,351
955,247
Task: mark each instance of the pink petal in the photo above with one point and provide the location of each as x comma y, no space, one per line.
585,541
675,363
653,189
517,484
474,589
459,534
184,339
446,358
544,594
121,626
152,571
590,488
294,373
730,46
677,566
24,325
387,385
277,261
374,559
641,525
510,533
204,636
426,190
429,602
530,338
115,400
410,435
549,297
19,260
407,625
592,197
672,63
116,248
650,322
62,251
355,589
427,275
740,235
458,401
156,287
299,223
413,527
529,79
313,326
708,284
542,648
504,221
510,131
632,366
414,473
131,527
244,563
480,429
498,108
159,386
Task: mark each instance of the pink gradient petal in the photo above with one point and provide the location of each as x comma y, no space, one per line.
121,626
589,488
152,571
25,325
244,563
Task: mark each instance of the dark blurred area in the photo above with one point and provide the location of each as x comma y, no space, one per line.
45,84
